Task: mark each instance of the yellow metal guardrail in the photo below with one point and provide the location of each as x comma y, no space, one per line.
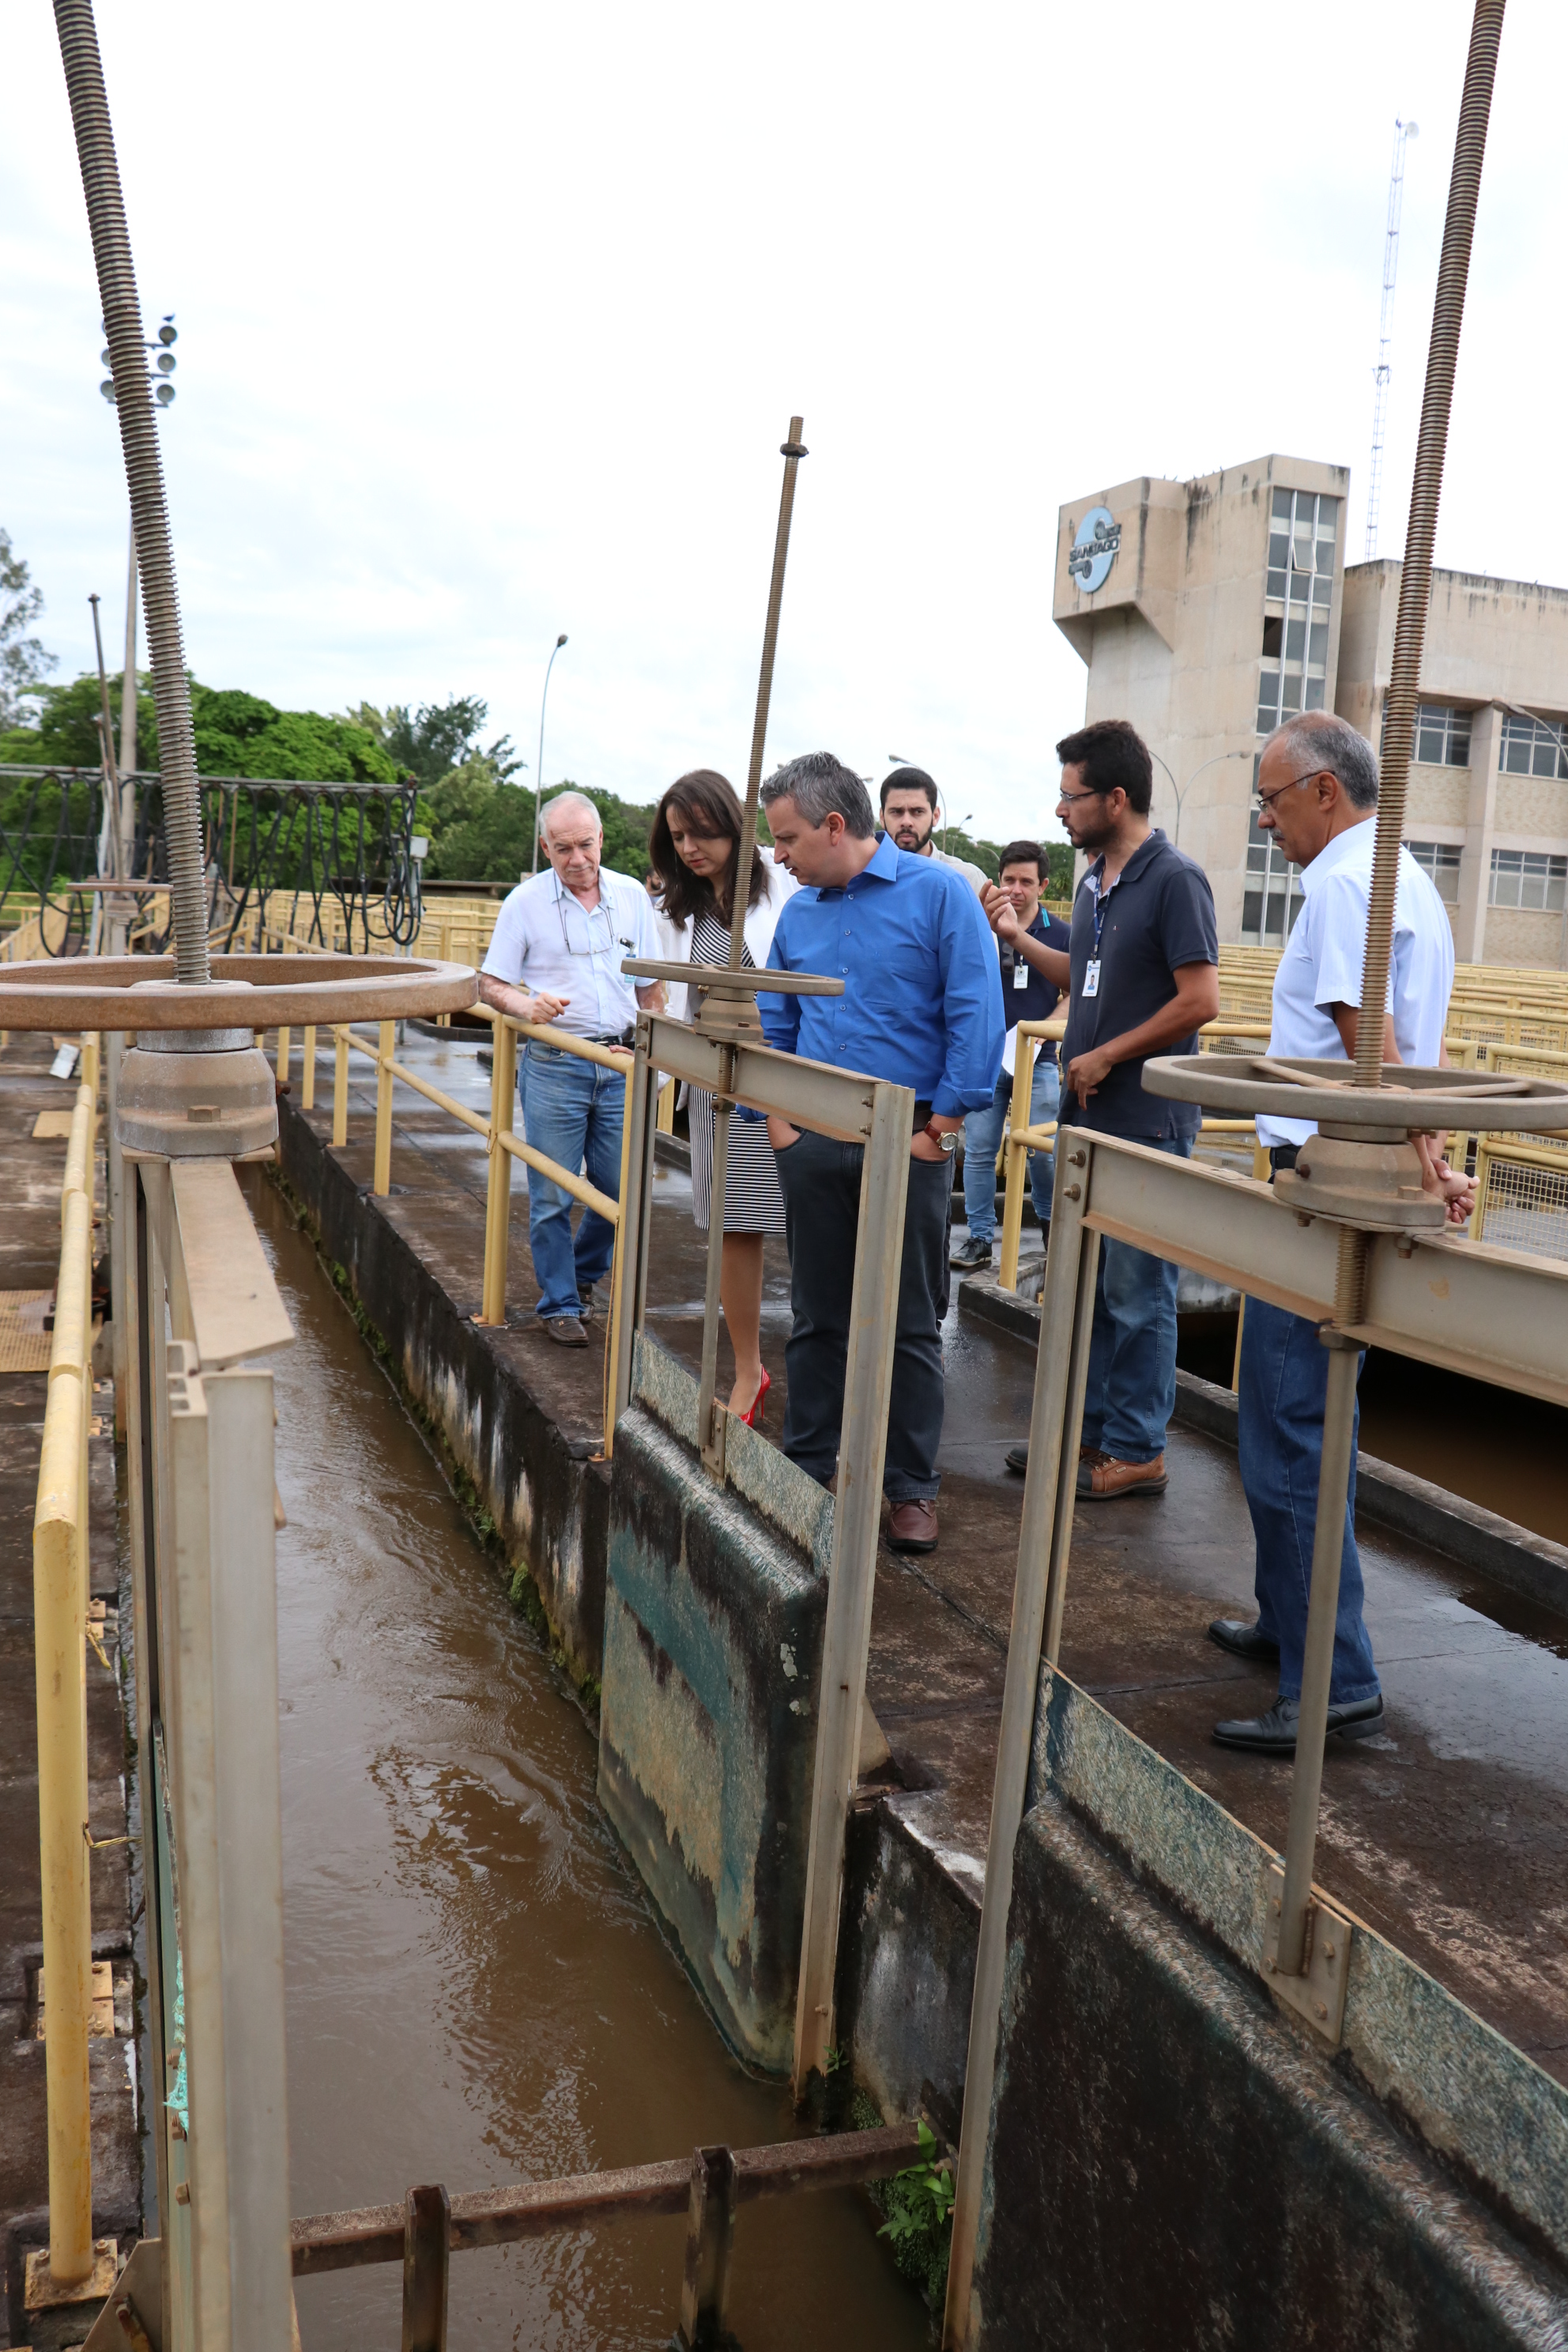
503,1143
1021,1138
59,1639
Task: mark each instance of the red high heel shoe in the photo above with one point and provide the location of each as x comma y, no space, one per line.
753,1418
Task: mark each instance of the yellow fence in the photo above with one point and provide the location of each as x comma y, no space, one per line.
60,1633
503,1143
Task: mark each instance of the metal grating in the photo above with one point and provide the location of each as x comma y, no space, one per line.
1526,1208
25,1344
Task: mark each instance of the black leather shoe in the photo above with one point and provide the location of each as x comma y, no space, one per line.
1018,1458
1273,1733
969,1255
1244,1641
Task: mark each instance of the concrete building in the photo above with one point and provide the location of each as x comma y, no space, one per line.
1207,611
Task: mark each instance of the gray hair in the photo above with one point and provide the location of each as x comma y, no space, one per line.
564,801
1334,744
821,786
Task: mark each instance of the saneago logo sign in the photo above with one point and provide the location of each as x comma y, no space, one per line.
1094,549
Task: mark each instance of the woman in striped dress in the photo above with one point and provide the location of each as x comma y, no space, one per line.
693,847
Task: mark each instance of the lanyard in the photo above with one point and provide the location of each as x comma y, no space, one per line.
1102,900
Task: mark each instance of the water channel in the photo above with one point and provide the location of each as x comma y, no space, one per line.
477,1990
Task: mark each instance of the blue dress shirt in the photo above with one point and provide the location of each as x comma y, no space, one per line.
923,990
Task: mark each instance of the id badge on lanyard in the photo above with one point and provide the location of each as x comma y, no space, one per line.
1092,968
1020,974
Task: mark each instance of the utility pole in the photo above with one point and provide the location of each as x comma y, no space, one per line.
1402,132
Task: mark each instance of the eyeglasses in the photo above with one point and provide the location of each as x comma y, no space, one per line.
588,914
1267,800
1066,799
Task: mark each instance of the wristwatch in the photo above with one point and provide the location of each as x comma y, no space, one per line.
944,1138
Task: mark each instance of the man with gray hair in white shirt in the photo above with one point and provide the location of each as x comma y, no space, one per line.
1317,794
555,959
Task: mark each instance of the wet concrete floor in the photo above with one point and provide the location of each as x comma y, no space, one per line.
477,1991
1448,1833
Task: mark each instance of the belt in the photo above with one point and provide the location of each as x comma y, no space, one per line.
608,1037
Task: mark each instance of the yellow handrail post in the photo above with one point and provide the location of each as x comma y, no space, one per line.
59,1630
612,1320
1018,1159
285,1039
665,1123
1483,1172
381,1184
341,1087
498,1191
308,1074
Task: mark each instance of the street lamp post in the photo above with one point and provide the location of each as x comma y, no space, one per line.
539,772
1181,790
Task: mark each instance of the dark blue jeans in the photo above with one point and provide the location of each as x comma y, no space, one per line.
821,1181
1284,1383
1131,1389
982,1140
572,1112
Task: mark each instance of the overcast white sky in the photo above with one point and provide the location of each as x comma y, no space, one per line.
491,321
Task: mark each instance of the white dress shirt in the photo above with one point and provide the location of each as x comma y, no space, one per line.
1322,963
545,939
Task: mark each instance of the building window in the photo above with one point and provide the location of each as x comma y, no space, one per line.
1440,859
1298,592
1528,878
1442,735
1532,747
1273,898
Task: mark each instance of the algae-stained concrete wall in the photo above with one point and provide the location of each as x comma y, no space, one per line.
1174,2159
1173,2164
714,1625
549,1502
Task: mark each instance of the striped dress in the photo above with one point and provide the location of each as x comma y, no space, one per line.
753,1201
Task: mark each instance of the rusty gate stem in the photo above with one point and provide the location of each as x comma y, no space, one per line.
1416,580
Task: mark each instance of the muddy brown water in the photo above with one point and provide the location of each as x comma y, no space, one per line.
478,1989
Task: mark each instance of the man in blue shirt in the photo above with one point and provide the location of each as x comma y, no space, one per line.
922,1007
1142,974
1014,909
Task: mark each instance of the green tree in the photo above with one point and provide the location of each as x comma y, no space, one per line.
430,743
24,662
482,827
65,733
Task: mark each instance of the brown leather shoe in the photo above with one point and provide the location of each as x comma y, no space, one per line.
566,1330
911,1526
1102,1480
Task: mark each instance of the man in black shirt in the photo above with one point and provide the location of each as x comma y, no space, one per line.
1015,914
1144,977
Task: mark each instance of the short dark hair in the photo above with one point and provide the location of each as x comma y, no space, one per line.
909,780
821,786
1023,853
1111,753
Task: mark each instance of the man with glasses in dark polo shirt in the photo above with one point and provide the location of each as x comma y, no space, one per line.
1142,977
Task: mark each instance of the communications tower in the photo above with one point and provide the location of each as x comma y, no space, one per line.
1402,132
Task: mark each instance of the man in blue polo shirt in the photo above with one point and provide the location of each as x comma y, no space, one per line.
1143,977
922,1007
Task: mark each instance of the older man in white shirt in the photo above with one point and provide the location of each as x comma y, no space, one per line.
555,957
1317,792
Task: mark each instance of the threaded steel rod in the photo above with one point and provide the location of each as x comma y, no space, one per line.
144,475
1415,581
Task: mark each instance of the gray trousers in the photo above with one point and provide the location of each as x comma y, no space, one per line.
821,1181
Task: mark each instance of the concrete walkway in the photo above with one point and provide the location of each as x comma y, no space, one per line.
1448,1833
